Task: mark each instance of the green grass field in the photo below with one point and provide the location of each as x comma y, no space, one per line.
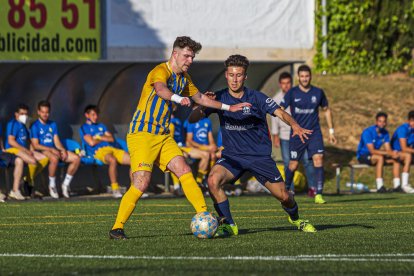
358,234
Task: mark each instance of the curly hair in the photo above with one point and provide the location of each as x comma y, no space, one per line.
185,41
237,60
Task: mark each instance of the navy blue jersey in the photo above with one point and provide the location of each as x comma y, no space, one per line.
304,106
245,132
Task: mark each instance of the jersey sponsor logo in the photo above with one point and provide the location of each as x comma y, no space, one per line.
297,100
238,128
293,154
246,110
201,134
143,164
313,99
304,111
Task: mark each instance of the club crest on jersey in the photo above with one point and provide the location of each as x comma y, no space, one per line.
313,99
50,129
246,110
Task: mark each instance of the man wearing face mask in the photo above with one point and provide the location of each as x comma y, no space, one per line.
18,143
369,151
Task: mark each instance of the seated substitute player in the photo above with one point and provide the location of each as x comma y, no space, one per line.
369,151
7,160
149,140
203,156
304,101
247,146
97,139
45,138
18,143
402,141
200,136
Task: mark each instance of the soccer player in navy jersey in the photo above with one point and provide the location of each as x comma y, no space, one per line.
45,138
304,101
247,145
402,141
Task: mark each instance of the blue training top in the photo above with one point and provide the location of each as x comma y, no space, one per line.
19,131
44,132
371,136
200,130
92,130
178,130
245,132
403,131
304,106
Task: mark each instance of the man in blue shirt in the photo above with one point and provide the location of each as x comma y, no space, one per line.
402,141
247,145
45,138
97,140
369,150
18,143
304,101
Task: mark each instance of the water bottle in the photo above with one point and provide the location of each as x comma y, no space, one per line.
359,186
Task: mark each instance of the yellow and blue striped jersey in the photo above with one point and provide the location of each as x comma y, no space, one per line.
153,113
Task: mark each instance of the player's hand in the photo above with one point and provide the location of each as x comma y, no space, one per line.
63,155
276,141
332,139
213,148
210,95
395,155
29,152
301,132
239,107
55,152
185,101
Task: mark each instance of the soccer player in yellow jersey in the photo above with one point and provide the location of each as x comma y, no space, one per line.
149,141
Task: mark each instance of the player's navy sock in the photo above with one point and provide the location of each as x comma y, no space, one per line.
223,210
288,178
293,212
319,176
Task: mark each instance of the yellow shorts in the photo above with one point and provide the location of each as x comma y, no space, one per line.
147,149
13,150
102,152
185,149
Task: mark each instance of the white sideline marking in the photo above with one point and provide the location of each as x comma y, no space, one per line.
328,257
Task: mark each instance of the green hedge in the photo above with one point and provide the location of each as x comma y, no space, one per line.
368,37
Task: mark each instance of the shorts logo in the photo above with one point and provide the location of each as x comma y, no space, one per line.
246,110
313,99
277,178
268,100
220,160
143,164
320,150
293,154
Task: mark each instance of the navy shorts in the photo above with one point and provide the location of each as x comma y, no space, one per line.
314,145
262,167
365,159
6,159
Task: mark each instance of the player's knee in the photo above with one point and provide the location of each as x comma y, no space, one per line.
77,159
213,182
141,181
53,160
205,155
18,162
111,160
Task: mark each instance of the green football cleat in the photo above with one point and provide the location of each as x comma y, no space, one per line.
319,199
226,230
303,225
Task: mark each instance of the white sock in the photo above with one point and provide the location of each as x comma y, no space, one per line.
68,179
380,183
405,177
396,182
52,181
176,186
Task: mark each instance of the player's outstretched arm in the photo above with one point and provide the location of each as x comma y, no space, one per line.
205,100
162,91
296,129
329,121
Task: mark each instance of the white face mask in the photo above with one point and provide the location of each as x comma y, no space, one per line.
23,119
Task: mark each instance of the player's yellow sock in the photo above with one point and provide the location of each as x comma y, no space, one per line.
34,170
212,163
200,176
193,192
115,186
176,181
127,206
238,182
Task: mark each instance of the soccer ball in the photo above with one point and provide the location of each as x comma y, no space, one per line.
204,225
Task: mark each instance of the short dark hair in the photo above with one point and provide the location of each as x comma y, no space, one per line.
185,41
285,75
91,107
43,104
304,68
411,115
381,114
238,61
22,106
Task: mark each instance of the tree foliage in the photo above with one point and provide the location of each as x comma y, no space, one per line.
366,36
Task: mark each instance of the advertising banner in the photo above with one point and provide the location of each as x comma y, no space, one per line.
50,30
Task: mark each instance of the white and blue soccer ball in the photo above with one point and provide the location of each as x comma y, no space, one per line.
204,225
